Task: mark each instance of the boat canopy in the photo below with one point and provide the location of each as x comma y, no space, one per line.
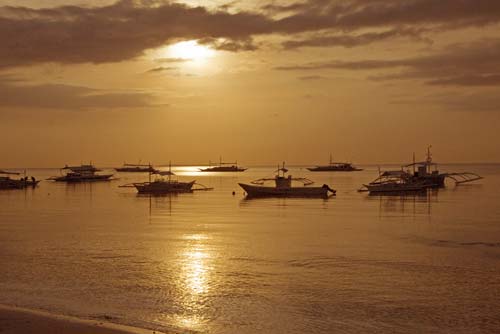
9,173
396,173
421,163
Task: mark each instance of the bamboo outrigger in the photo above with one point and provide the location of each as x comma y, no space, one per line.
283,187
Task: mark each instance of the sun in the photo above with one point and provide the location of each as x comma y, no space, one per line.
190,50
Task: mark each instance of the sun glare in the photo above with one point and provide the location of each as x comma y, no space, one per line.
190,50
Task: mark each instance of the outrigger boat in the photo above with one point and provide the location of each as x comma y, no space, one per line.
224,167
335,167
394,182
83,173
6,182
427,172
283,187
162,186
136,168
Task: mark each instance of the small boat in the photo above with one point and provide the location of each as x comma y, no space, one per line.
335,167
395,182
83,173
427,171
162,186
136,168
224,167
6,182
283,187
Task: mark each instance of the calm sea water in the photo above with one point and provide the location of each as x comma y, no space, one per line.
211,262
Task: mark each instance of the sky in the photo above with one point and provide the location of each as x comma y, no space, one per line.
255,81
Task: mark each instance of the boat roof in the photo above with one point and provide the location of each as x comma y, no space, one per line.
8,173
394,173
81,168
136,165
421,163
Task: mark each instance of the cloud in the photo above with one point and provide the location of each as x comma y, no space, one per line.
119,32
172,60
471,64
68,97
484,101
311,77
127,28
349,41
245,44
356,14
162,69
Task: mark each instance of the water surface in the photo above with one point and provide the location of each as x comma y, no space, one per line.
211,262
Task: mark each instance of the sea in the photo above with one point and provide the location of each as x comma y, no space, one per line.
217,262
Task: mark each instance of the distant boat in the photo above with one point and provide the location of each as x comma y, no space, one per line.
162,186
283,187
6,182
224,167
427,171
335,167
83,173
136,168
395,182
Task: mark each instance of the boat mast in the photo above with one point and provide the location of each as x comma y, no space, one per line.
169,171
413,163
429,159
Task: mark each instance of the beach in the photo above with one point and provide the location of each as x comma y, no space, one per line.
15,320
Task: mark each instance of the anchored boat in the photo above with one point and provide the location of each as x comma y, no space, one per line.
427,171
83,173
283,187
394,182
335,167
224,167
163,186
136,168
6,182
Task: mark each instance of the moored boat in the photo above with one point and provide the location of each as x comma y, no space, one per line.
6,182
427,172
136,168
335,167
163,186
83,173
224,167
283,187
397,181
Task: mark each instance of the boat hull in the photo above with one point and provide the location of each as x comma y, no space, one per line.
432,180
261,191
333,169
77,179
164,187
396,188
223,169
17,184
135,170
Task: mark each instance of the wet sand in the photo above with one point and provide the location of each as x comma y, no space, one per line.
14,320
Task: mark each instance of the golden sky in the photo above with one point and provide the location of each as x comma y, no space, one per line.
254,81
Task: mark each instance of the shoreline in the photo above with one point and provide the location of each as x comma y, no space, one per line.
15,319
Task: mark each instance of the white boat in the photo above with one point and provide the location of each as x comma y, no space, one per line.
163,186
283,187
83,173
